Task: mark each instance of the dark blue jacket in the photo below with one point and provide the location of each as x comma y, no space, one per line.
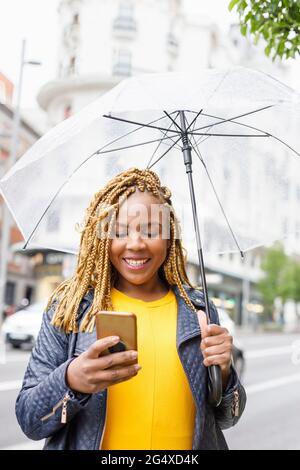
45,394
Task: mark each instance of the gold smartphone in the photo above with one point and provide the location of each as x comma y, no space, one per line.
121,324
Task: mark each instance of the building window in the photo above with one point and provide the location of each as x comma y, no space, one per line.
10,293
72,65
284,225
28,293
125,18
122,63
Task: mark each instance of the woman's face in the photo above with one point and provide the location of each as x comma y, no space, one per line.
141,239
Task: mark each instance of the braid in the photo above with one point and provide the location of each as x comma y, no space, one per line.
94,269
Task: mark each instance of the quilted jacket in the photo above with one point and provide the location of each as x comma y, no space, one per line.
47,409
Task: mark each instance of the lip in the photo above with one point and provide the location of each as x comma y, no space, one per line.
136,268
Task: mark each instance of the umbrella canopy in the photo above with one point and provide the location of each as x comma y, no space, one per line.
241,124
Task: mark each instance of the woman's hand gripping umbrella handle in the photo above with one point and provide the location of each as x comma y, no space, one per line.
215,386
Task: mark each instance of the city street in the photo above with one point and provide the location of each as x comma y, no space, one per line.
272,379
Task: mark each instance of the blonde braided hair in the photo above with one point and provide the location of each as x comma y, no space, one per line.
94,269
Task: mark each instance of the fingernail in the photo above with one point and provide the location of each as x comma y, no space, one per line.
134,355
115,339
137,367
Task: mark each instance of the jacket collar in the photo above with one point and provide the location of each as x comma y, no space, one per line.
187,320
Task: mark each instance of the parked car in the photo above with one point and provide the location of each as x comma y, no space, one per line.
23,326
237,350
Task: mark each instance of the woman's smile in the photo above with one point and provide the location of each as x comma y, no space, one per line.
136,263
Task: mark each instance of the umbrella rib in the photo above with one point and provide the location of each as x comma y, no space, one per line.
174,121
205,138
54,197
223,135
230,119
76,169
197,151
139,123
160,144
255,129
165,153
100,152
229,135
165,132
131,132
194,121
149,125
286,145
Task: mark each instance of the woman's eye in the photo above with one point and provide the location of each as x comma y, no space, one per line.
151,234
121,234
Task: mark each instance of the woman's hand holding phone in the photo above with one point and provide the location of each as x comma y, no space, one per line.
89,373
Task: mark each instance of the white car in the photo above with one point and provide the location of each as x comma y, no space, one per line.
23,326
237,350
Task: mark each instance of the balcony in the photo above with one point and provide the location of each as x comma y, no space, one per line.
122,69
124,27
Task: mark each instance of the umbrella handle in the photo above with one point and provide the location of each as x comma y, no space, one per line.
214,385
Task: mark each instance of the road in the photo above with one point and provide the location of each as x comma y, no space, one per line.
272,380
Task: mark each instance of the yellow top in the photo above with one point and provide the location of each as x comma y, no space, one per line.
155,409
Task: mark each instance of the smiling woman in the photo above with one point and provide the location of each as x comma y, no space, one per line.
114,239
139,249
131,259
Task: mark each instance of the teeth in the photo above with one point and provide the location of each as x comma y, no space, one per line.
135,262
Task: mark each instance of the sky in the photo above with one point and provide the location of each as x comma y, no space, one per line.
36,21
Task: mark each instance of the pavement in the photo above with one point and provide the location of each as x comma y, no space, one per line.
272,381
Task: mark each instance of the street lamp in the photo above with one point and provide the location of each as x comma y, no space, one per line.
5,233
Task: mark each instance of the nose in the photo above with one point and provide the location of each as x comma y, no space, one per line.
135,242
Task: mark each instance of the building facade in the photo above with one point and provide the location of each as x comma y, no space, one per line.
21,281
104,41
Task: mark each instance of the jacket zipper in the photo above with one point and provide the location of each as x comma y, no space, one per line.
66,398
236,404
62,403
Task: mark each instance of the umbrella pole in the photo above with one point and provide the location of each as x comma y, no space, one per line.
215,382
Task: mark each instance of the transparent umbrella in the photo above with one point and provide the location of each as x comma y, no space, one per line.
234,131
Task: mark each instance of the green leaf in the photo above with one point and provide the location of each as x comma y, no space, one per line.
254,26
243,29
232,4
268,50
281,48
242,6
248,16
